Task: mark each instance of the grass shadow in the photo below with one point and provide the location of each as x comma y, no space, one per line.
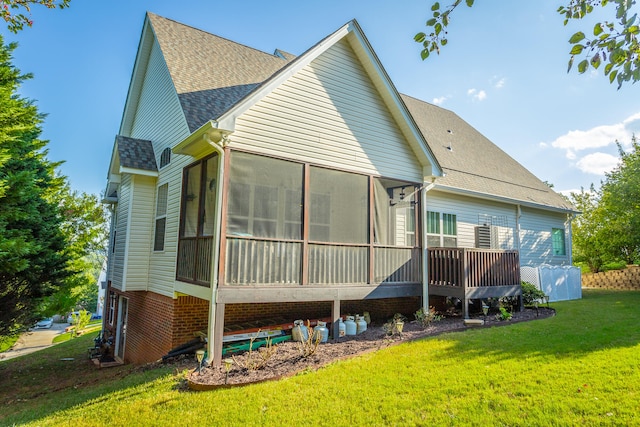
62,376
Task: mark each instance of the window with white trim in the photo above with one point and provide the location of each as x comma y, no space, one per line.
558,242
161,218
442,230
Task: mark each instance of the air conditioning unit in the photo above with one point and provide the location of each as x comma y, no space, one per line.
483,237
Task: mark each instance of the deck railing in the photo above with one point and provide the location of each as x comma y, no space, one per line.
472,268
252,261
194,260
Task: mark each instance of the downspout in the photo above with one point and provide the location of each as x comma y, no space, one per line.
569,223
425,252
517,236
219,148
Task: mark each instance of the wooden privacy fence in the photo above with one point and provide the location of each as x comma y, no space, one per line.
468,273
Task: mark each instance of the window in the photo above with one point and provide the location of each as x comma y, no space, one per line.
112,308
165,157
557,239
445,222
265,197
161,218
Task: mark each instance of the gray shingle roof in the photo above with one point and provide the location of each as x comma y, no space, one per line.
136,153
210,73
473,163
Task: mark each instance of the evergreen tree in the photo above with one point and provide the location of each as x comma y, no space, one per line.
33,248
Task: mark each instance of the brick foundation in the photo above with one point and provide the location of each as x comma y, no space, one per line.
627,279
157,323
380,310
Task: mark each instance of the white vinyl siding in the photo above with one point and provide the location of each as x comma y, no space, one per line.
121,229
140,236
468,210
159,118
536,228
329,114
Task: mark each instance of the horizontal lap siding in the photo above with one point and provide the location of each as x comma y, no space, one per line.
467,210
140,232
118,254
159,118
535,237
329,114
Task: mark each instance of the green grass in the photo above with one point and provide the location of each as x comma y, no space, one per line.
581,367
92,328
7,342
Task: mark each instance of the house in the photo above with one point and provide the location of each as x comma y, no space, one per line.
246,186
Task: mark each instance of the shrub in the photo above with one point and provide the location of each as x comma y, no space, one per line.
426,317
530,293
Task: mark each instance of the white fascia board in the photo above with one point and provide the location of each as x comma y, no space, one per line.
134,171
502,199
147,38
228,120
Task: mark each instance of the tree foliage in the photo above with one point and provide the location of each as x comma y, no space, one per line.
612,43
13,11
609,227
46,230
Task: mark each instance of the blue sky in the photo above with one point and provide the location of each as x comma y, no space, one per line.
503,71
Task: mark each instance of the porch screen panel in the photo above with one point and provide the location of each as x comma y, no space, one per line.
339,207
210,189
197,226
394,214
265,198
191,201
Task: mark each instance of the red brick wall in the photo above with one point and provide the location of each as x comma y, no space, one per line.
149,331
157,323
380,310
191,315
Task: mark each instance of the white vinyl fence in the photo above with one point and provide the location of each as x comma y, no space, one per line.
561,283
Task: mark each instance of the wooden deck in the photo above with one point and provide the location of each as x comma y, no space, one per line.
468,274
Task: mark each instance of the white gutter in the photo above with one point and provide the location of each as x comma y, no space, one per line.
219,148
425,252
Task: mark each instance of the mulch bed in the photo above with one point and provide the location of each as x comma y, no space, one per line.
287,359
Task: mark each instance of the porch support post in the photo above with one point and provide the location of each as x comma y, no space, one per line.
335,315
217,335
424,246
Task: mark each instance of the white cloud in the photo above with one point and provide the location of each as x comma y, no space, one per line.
597,163
477,95
498,83
440,101
596,137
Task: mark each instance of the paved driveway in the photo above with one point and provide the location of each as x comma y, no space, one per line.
34,340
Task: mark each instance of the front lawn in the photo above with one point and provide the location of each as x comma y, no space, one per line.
580,367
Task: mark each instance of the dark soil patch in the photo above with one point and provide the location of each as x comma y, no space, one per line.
287,358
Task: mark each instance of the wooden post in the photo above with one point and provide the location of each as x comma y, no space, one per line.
217,336
335,315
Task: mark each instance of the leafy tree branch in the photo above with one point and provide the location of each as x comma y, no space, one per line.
613,43
17,13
